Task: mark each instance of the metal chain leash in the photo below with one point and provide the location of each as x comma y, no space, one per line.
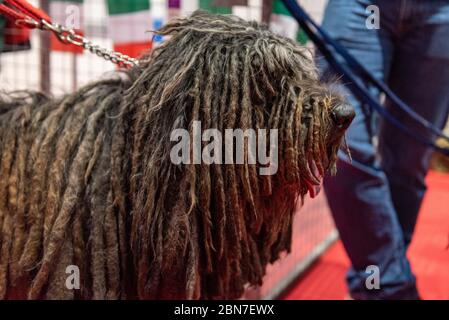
69,36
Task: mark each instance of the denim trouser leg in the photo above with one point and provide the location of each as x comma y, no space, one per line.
420,76
376,198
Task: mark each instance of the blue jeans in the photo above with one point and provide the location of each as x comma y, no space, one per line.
375,199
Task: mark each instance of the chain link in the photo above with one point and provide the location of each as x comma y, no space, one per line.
69,36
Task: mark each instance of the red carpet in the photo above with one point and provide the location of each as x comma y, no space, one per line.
428,253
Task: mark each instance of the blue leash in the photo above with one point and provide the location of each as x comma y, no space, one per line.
325,44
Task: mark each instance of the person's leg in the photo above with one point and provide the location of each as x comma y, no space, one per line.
359,195
420,77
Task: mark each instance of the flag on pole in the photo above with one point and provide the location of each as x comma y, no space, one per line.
129,23
68,13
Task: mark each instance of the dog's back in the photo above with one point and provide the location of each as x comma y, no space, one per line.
56,157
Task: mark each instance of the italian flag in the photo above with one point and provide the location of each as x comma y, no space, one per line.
281,22
68,13
129,23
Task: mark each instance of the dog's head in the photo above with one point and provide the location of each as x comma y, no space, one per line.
326,116
209,221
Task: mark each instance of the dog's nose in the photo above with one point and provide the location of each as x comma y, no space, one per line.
343,115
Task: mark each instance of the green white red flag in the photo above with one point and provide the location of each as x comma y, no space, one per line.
129,23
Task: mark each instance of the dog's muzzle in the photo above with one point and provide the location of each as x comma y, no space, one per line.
343,115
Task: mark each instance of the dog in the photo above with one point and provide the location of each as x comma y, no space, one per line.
92,206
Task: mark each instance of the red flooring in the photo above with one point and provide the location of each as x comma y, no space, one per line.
428,253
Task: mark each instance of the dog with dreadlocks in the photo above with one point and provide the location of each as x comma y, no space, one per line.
87,181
